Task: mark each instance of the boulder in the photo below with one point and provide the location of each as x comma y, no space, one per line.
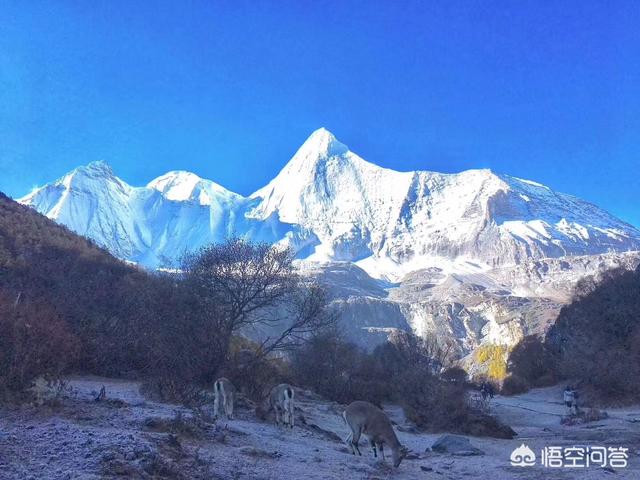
455,445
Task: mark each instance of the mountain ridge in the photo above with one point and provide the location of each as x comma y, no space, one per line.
469,258
329,204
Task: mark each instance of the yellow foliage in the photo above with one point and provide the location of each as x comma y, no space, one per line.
494,357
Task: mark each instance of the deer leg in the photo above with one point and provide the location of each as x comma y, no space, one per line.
277,410
373,447
348,442
292,419
216,405
381,448
229,409
355,440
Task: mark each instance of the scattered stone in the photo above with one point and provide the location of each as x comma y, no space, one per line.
412,456
426,469
455,445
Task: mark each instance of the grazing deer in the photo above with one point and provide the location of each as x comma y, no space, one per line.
364,418
281,401
225,393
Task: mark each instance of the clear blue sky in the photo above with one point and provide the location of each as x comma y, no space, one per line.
546,90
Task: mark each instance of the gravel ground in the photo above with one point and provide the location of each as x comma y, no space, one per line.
127,436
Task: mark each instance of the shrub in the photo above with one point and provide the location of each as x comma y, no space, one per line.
34,342
597,337
432,395
514,385
454,375
250,372
532,362
432,403
339,370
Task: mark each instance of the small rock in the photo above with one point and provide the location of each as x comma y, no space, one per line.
426,469
257,452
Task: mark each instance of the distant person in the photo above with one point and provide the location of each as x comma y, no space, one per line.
490,390
569,395
486,390
483,390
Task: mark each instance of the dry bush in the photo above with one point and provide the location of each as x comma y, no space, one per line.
455,375
514,385
339,370
531,364
438,405
180,424
251,372
431,403
433,393
597,337
34,342
405,370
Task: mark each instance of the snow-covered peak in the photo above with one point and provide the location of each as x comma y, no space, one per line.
97,166
311,158
179,185
175,182
322,144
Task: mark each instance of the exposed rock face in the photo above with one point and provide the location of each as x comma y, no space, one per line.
499,306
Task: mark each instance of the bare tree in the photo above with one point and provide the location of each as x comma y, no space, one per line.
243,285
306,313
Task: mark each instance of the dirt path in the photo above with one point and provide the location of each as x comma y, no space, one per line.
130,437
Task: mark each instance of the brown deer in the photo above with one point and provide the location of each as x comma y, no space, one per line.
364,418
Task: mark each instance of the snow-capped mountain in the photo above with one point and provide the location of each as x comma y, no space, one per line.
392,222
152,225
473,257
330,204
